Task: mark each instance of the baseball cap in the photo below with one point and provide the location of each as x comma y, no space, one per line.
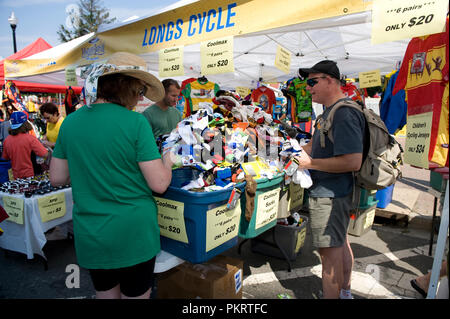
17,119
326,66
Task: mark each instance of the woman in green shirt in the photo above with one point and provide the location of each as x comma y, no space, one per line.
109,155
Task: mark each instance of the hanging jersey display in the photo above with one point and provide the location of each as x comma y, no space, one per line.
424,76
265,97
291,111
12,93
303,100
350,90
280,109
181,105
197,91
70,100
187,107
393,108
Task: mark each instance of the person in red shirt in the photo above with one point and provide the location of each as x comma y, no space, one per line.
18,146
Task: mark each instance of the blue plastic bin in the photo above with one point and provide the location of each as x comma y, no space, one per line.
4,167
384,196
198,207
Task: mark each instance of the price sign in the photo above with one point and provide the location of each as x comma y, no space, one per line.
301,239
52,207
221,225
242,91
71,77
296,196
394,20
171,219
369,219
14,208
267,207
171,62
283,59
418,128
369,79
217,56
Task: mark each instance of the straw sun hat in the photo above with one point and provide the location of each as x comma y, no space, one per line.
121,63
135,66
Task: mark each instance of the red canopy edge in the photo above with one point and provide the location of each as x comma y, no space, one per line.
33,48
44,88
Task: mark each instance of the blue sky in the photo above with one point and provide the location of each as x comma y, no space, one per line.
41,18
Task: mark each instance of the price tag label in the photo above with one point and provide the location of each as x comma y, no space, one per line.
52,206
369,219
418,128
296,196
300,239
71,77
283,59
217,56
14,208
171,219
394,20
369,79
242,91
221,225
267,208
171,62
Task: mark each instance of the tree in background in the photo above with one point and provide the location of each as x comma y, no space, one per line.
84,18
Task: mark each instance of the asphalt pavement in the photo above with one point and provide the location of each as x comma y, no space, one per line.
387,257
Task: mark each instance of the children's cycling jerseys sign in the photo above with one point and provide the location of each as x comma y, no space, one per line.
417,145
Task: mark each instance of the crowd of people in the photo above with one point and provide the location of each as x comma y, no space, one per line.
110,157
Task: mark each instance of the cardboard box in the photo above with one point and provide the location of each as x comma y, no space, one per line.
218,278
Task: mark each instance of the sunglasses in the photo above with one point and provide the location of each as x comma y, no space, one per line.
313,81
142,91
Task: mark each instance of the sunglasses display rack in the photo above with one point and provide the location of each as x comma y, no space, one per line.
38,185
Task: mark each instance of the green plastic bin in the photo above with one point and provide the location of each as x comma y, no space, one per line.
264,214
367,198
437,182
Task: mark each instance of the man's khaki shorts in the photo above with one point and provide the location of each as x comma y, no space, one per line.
329,220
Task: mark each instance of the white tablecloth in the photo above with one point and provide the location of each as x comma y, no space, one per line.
29,238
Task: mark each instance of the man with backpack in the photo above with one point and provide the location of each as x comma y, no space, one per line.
332,158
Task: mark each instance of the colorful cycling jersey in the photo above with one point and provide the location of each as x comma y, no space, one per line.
265,97
351,91
424,77
303,100
197,91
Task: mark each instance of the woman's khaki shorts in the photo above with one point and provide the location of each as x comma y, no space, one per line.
329,219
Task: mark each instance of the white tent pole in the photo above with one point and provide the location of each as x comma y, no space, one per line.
335,46
249,50
277,42
300,39
318,50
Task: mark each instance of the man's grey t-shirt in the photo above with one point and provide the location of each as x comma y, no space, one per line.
348,133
